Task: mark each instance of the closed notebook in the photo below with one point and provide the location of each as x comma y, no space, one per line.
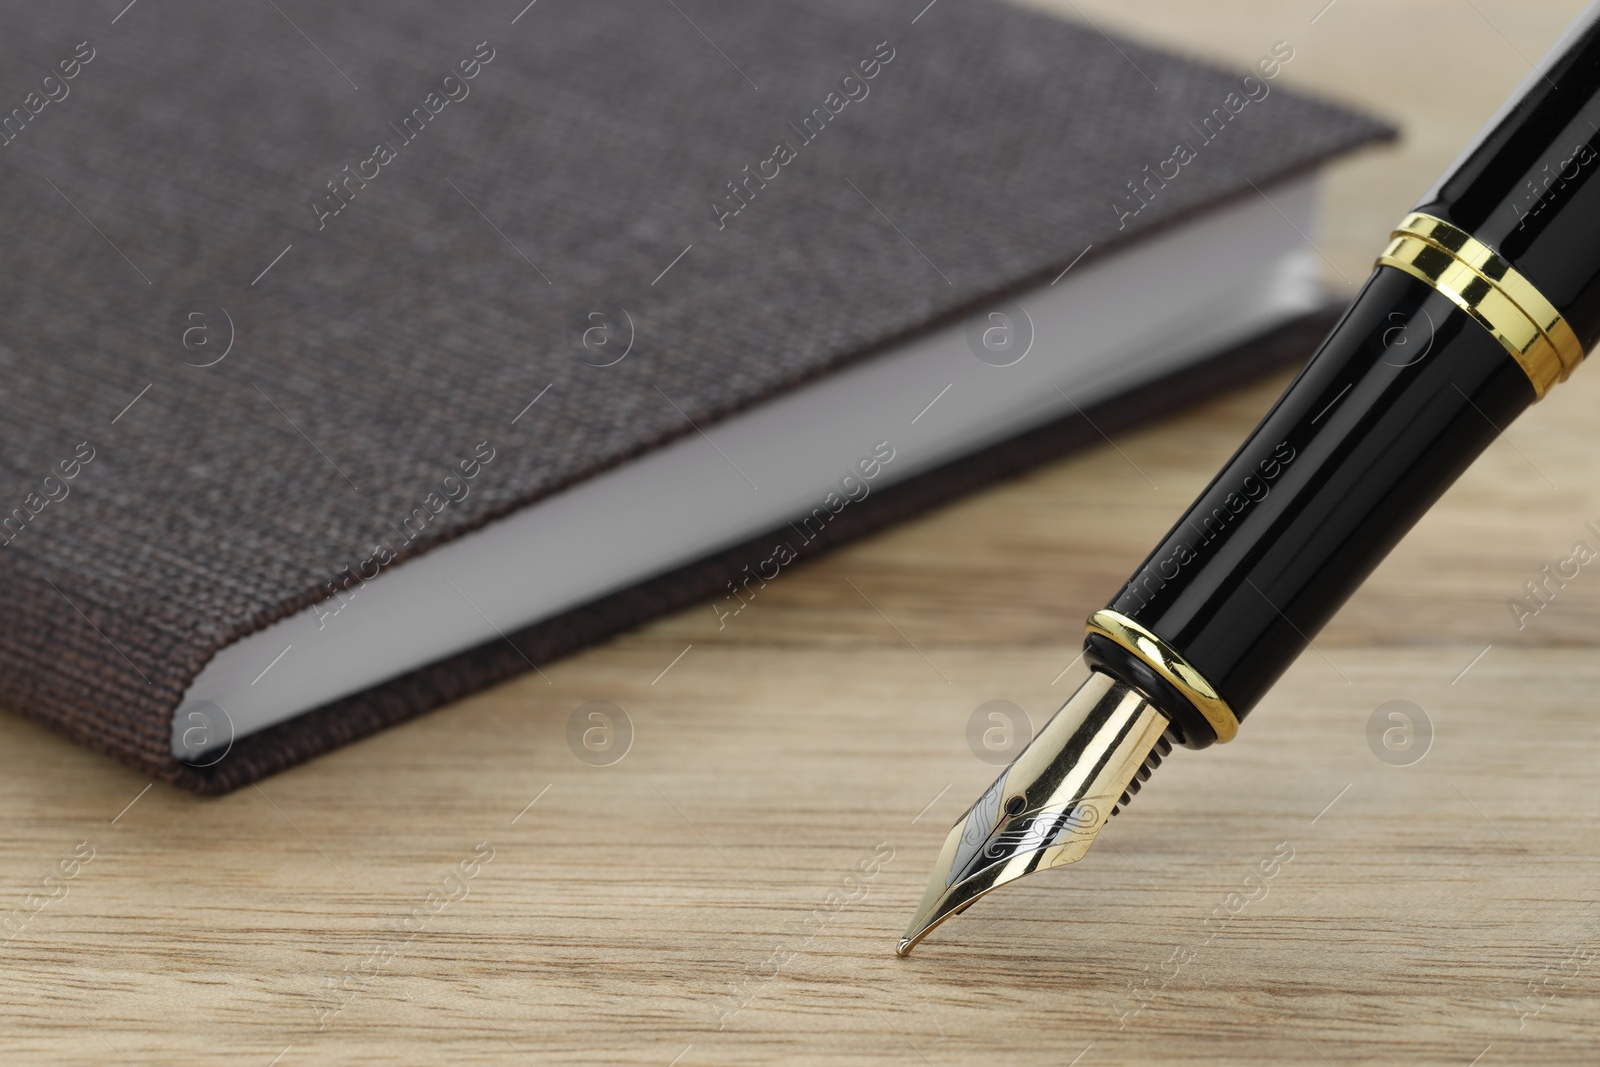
358,356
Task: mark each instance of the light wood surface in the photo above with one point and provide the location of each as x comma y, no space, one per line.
690,904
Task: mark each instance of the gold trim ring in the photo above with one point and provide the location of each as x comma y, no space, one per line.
1491,290
1170,664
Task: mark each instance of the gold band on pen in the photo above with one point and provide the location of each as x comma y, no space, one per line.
1492,291
1169,663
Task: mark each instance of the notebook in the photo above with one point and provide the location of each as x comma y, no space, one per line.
387,352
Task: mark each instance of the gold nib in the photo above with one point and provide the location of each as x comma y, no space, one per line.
1049,805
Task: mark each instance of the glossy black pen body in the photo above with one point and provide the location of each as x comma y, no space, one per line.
1486,296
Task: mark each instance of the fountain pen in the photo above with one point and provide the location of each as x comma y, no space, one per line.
1486,296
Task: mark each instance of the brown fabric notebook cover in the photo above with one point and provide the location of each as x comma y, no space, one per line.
402,209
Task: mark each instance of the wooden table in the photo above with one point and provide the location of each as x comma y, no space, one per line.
694,902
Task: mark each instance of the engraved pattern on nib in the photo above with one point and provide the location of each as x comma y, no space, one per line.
981,821
1151,762
1034,831
1027,833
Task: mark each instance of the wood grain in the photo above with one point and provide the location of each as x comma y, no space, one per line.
694,902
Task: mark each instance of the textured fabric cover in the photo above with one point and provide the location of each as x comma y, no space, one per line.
194,142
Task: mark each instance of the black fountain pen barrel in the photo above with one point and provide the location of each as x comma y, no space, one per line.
1402,396
1529,186
1487,296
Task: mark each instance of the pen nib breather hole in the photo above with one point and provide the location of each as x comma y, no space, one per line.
1015,805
